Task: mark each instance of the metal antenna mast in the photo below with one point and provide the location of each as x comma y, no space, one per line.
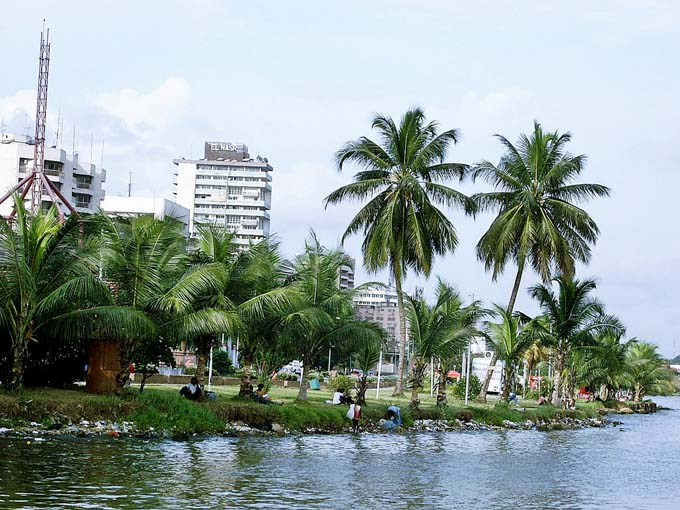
36,182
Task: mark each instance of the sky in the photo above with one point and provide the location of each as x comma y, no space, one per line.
295,80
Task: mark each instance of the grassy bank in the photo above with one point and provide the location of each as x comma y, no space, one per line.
161,409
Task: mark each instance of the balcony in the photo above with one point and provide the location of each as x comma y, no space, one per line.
249,222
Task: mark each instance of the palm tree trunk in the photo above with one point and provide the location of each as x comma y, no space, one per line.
17,375
417,381
507,382
244,390
361,390
399,388
557,379
441,390
306,369
511,306
202,353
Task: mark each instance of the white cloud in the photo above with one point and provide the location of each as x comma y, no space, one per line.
22,102
147,114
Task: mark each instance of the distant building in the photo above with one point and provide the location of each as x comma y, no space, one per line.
346,277
79,182
159,208
379,306
227,187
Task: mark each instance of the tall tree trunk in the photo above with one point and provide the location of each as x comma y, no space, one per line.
494,359
557,377
17,376
126,348
399,388
441,390
306,369
417,381
507,382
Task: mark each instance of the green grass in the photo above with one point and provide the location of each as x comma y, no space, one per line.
161,408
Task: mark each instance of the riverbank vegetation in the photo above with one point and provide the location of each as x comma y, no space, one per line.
160,411
140,287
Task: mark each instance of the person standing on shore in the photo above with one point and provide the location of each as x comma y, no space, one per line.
354,414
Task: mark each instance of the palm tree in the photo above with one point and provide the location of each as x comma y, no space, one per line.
574,318
146,266
511,342
47,269
604,363
318,313
366,356
536,353
402,179
646,372
438,331
539,221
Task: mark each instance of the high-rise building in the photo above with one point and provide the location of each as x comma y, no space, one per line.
346,277
79,182
379,306
227,187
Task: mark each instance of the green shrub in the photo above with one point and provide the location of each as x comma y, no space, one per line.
222,364
286,376
458,389
340,382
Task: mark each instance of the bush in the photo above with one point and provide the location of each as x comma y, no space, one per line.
286,376
315,375
475,387
340,382
222,364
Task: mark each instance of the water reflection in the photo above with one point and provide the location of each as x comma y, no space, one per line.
588,469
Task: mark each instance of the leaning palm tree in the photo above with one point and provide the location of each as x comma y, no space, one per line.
439,330
402,179
539,222
511,341
574,318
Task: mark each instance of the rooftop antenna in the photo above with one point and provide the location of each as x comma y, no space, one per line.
130,184
102,160
36,182
91,147
2,127
56,133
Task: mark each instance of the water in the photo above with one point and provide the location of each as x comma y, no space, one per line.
635,466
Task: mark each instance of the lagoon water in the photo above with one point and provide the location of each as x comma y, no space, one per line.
634,466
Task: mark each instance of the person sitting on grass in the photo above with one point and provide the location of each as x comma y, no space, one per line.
192,390
542,401
338,397
262,393
513,398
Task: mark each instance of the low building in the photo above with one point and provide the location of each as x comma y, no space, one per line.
159,208
80,182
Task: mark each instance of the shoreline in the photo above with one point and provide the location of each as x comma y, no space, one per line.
161,414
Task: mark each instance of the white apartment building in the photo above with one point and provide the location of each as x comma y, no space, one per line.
227,187
80,182
159,208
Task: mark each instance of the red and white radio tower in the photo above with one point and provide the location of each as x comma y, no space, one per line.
36,182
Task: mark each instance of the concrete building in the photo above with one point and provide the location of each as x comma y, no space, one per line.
227,187
379,305
159,208
346,278
80,182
